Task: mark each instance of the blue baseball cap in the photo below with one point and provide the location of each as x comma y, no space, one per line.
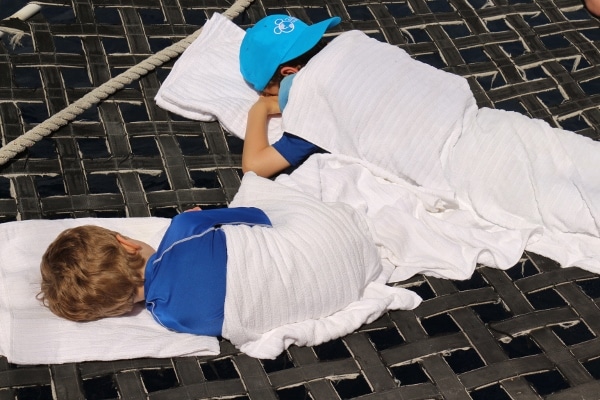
275,40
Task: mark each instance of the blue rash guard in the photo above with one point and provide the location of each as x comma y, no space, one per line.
293,148
185,279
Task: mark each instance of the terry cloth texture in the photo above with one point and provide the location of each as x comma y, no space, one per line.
316,275
382,106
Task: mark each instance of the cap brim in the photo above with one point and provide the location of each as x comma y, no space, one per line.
310,37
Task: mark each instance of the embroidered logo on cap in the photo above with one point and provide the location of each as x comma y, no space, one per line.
284,25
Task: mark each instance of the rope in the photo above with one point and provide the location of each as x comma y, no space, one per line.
68,114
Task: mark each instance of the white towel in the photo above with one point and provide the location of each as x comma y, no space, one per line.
363,98
206,84
314,276
507,171
31,334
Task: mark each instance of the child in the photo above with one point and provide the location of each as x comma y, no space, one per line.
270,54
275,261
90,272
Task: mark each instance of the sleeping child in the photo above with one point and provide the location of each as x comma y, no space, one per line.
243,272
370,100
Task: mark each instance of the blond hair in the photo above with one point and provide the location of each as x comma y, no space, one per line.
88,275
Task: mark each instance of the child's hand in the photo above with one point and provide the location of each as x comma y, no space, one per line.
268,104
258,155
193,209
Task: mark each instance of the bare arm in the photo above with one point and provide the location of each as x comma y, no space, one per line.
258,155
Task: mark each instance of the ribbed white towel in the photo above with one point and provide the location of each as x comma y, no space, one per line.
415,231
31,334
363,98
316,275
521,173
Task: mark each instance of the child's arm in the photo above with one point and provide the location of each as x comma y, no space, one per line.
258,155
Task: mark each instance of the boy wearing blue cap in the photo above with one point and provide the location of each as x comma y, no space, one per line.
271,53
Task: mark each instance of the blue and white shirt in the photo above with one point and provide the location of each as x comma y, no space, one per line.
185,279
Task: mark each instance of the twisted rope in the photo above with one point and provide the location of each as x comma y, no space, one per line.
68,114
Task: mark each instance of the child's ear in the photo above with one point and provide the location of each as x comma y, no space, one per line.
129,245
289,70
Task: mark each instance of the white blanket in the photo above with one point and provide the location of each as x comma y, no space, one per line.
363,98
507,169
485,186
31,334
415,231
316,275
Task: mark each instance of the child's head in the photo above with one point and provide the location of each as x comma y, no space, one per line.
275,40
87,275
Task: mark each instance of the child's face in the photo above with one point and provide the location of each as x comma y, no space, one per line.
271,90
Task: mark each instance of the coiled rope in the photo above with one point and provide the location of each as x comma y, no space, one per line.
68,114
